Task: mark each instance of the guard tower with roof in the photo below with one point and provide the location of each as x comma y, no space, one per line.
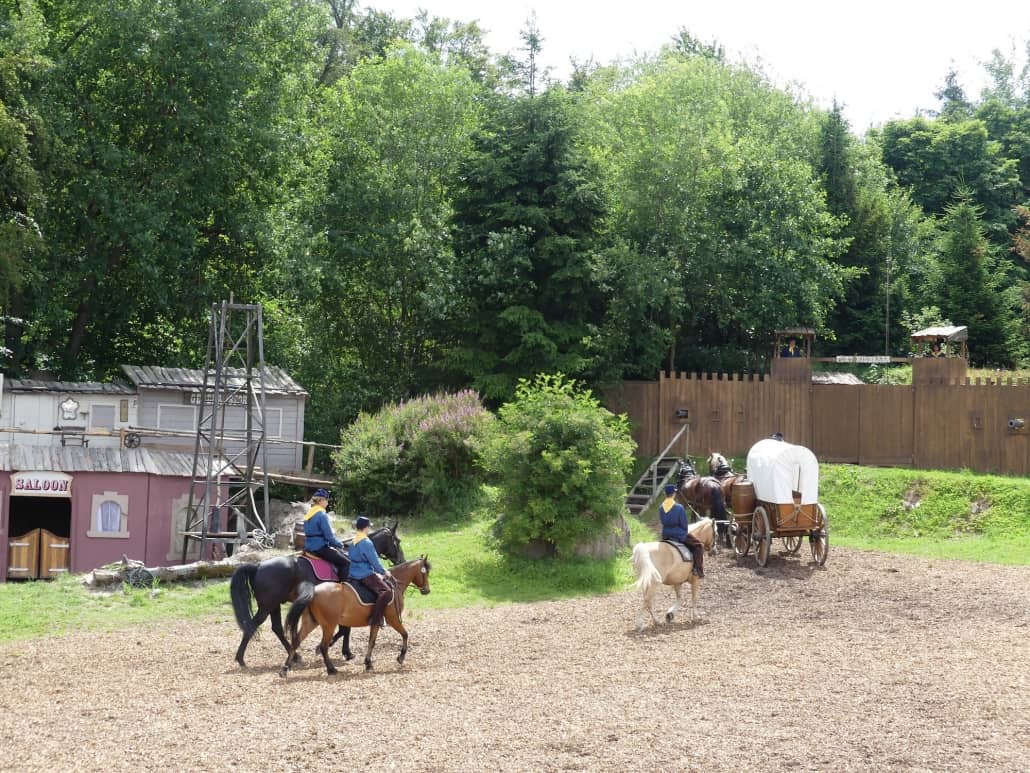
799,366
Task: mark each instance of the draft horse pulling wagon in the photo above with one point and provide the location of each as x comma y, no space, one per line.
779,498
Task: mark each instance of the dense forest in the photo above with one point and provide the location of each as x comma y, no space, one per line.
416,212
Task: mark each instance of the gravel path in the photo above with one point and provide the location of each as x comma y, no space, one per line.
874,662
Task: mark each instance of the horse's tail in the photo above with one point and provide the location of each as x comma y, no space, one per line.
305,592
240,591
646,572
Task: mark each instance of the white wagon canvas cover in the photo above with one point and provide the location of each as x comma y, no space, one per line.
778,469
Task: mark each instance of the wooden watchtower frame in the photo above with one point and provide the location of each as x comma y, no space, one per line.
224,480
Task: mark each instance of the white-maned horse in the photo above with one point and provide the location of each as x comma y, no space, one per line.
659,563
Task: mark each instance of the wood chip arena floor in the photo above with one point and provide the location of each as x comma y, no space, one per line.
874,662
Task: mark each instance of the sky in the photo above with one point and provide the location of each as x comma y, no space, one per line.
881,59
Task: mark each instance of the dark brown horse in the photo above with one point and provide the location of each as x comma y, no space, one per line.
338,604
702,496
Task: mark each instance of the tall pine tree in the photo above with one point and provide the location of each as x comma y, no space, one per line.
970,296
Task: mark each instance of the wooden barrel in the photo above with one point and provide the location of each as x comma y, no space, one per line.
298,535
742,497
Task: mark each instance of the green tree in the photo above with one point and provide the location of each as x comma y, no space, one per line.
936,160
383,276
178,126
711,172
528,223
970,291
560,461
24,150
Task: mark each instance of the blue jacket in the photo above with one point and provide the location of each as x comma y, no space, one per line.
363,559
674,522
317,531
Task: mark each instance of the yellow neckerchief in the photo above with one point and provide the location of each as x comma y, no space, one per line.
669,503
358,536
311,513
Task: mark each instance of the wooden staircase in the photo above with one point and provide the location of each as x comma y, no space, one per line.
657,474
651,484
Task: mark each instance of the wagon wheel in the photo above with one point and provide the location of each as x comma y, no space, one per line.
819,541
792,544
741,536
760,535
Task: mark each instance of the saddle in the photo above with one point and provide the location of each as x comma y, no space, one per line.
322,569
365,595
722,471
684,551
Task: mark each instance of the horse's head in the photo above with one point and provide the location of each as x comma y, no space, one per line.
414,572
717,464
388,544
686,472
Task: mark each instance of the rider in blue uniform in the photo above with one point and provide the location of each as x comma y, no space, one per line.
319,538
368,570
674,527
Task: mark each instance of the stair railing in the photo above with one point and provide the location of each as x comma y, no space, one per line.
652,469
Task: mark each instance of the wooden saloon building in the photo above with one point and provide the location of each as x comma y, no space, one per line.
90,472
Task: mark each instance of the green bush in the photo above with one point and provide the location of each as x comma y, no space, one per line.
410,456
560,461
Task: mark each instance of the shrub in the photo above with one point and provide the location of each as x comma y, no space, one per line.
411,455
560,460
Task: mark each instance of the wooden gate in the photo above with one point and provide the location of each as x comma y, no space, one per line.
37,554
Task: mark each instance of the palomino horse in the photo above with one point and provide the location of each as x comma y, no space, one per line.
275,581
338,604
659,563
719,468
702,496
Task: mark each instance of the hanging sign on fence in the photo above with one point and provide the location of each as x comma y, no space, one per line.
865,359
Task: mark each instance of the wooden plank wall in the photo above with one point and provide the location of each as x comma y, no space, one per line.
926,425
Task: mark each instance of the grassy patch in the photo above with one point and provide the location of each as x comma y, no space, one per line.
31,609
947,514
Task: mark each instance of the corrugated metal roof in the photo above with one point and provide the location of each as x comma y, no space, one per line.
79,387
78,459
276,380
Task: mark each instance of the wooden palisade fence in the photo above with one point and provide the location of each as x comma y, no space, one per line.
943,420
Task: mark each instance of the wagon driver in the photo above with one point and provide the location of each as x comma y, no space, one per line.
319,538
674,527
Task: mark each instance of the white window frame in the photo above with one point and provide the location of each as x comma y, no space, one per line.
114,415
177,407
269,412
122,500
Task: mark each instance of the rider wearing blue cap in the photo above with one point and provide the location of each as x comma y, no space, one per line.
674,527
319,538
366,568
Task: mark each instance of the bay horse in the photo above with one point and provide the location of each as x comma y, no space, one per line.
702,496
338,604
659,563
274,581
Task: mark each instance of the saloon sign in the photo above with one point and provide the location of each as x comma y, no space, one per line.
41,484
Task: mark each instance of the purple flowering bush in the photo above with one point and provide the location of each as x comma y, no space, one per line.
411,456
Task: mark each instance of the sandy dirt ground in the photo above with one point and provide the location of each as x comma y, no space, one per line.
873,662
